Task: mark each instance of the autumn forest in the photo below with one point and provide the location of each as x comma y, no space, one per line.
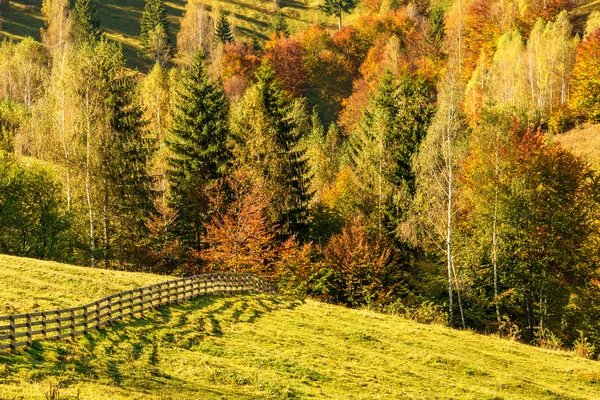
406,162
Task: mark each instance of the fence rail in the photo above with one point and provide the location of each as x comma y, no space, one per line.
20,330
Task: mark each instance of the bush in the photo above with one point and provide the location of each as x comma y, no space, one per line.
583,348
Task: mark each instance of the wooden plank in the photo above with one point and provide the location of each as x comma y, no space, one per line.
13,343
29,330
4,346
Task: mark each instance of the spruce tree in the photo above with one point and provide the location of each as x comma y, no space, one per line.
384,145
337,7
280,25
269,131
86,25
153,18
198,142
223,32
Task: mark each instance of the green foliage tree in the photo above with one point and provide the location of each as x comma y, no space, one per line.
337,7
279,24
223,32
86,25
198,141
384,145
33,216
155,29
268,130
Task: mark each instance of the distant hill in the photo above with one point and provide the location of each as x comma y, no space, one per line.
265,347
120,19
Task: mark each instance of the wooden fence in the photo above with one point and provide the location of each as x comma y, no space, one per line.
20,330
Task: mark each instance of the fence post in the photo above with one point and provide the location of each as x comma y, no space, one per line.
142,303
72,325
28,325
85,320
109,305
44,333
121,306
97,314
13,344
58,324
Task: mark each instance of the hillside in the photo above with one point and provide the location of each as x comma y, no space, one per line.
255,347
120,19
584,142
29,285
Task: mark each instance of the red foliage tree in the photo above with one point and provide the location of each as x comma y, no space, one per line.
286,56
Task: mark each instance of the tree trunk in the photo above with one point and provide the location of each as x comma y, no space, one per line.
107,247
340,19
87,178
494,230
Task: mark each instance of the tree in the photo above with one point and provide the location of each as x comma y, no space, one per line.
436,204
86,25
223,32
195,33
585,98
279,25
33,216
268,129
338,7
383,147
551,217
238,238
57,22
286,57
198,141
154,30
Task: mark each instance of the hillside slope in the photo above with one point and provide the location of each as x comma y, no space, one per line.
584,142
30,285
256,347
120,19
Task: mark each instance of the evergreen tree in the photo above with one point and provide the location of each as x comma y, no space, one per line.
198,142
153,20
384,145
269,128
125,156
86,25
223,32
279,24
337,7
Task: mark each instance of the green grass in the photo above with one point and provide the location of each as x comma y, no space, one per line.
258,346
120,19
29,285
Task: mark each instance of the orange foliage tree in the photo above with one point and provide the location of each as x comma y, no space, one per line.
239,63
585,81
360,260
286,56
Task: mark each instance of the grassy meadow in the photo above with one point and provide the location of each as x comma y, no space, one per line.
584,142
266,347
120,19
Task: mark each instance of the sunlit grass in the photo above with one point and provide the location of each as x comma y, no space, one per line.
120,19
584,142
261,347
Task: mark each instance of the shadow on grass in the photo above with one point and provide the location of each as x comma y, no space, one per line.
107,355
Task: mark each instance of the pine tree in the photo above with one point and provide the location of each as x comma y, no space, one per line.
86,25
153,18
269,128
337,7
198,141
223,32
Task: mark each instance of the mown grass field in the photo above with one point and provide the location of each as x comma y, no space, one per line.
584,142
120,19
258,346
